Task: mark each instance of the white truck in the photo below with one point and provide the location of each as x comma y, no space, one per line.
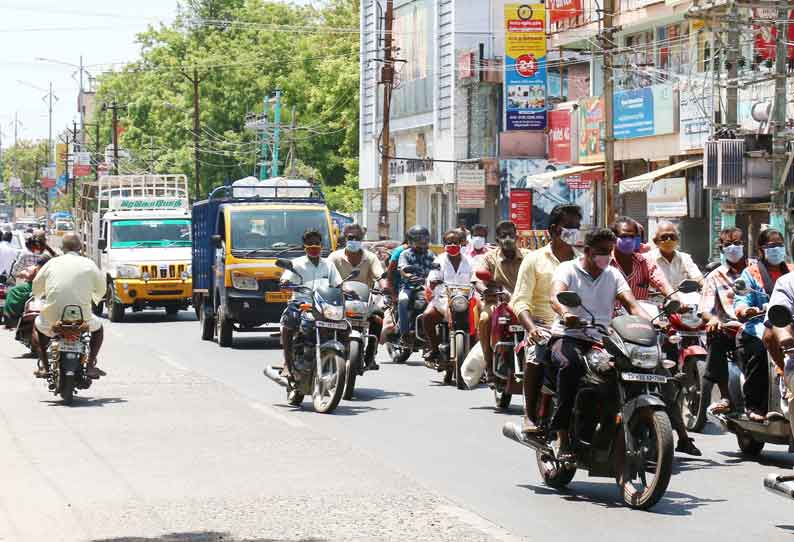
137,229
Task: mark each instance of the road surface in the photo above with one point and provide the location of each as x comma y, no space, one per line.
184,441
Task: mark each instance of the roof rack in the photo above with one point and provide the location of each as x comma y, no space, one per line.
278,189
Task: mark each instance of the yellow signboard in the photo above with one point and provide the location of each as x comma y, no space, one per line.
61,155
525,66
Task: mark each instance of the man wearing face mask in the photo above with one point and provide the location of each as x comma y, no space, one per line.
503,264
477,246
455,268
677,266
760,278
640,272
311,270
716,308
530,299
420,259
599,285
353,256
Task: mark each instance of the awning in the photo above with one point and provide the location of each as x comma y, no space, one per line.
641,183
544,180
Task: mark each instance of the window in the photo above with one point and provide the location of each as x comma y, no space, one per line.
258,232
411,40
149,233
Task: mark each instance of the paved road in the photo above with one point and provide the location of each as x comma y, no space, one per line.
184,441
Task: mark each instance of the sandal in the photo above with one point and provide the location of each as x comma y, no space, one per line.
687,446
529,427
723,406
755,416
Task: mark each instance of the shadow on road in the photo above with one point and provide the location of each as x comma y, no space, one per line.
86,402
156,317
202,536
371,394
781,460
512,410
261,341
344,409
789,528
684,464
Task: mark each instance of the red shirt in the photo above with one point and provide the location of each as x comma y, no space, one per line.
644,275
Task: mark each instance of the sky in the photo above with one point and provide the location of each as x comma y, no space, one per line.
102,31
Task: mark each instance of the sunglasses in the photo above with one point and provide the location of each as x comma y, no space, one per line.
668,237
772,245
353,238
736,243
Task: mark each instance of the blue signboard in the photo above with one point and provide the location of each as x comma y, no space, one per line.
644,112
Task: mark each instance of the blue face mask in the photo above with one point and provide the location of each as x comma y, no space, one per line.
353,245
637,243
775,255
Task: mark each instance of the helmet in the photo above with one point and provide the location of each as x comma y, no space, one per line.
419,236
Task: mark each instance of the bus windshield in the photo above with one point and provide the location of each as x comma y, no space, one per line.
275,230
150,233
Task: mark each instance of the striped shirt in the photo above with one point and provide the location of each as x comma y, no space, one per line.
645,274
718,295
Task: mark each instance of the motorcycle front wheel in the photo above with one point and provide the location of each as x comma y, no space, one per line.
695,395
653,441
351,369
67,390
328,390
461,351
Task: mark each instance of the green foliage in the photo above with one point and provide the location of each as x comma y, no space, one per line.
24,160
243,50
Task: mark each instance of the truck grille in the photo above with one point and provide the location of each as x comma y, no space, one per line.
164,271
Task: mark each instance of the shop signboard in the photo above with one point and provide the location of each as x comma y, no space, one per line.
562,10
521,209
591,130
696,114
766,34
471,186
667,198
644,112
560,136
525,66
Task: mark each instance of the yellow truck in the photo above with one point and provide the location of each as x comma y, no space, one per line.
238,233
137,229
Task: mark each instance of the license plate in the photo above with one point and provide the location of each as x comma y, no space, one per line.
277,297
516,329
641,377
331,325
74,347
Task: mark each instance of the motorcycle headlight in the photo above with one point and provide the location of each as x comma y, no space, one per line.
128,272
599,360
645,357
356,309
244,282
333,312
460,304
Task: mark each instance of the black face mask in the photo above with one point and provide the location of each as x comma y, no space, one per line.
507,243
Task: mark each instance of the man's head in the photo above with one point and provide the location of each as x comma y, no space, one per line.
419,237
452,242
565,222
479,234
8,236
598,245
732,245
313,243
666,237
506,235
72,242
36,242
627,232
353,234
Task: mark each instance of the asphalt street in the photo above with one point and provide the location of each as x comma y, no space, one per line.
185,441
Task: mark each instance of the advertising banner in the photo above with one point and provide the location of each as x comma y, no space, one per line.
521,209
696,114
561,10
471,186
591,130
560,137
667,198
525,66
644,112
766,34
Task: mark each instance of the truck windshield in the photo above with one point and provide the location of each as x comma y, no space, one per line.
154,233
274,230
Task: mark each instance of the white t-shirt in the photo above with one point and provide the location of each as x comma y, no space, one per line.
449,275
313,276
597,294
7,256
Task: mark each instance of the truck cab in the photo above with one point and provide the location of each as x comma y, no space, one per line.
238,233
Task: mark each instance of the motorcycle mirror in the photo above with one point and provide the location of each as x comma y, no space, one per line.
672,306
411,269
484,275
711,266
285,264
102,244
779,316
740,286
689,286
569,299
353,274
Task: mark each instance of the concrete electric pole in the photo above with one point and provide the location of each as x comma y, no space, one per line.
387,79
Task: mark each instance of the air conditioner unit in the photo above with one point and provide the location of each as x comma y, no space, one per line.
723,164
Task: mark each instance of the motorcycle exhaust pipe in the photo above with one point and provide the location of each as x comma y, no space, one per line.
513,432
275,376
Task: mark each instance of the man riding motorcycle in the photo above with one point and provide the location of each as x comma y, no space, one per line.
70,279
455,268
530,300
354,256
677,266
420,259
503,264
716,308
310,270
599,286
760,278
478,247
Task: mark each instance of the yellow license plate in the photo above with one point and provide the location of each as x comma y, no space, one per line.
277,297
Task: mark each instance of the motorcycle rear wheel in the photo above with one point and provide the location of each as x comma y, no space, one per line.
748,445
67,389
351,369
653,434
326,397
461,351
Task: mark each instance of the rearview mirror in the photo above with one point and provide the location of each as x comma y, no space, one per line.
569,299
353,274
711,266
102,244
411,269
285,264
216,240
689,286
740,287
672,306
779,316
484,275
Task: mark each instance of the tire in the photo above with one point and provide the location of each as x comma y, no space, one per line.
116,311
351,369
748,445
325,399
657,425
171,311
553,474
67,390
223,329
207,325
695,397
461,351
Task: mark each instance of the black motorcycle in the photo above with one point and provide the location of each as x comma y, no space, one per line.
399,350
68,354
319,351
619,427
361,305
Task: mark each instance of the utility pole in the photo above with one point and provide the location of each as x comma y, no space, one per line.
263,170
387,79
777,210
96,151
16,123
607,44
66,162
74,153
293,171
731,121
276,134
114,135
196,136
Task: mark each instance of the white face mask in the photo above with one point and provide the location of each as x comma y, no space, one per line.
571,236
733,253
478,242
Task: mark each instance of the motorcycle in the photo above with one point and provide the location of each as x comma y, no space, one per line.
752,436
319,352
361,304
68,354
619,427
3,290
24,327
398,350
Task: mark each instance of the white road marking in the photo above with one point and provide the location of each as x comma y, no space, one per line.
273,413
478,522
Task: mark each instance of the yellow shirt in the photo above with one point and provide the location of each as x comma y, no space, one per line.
70,279
533,289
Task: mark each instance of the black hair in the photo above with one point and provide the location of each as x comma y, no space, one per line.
8,236
505,224
353,225
562,210
479,227
763,237
727,232
625,220
596,236
456,232
312,232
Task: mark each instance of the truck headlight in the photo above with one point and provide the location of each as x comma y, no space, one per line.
128,272
645,357
333,312
244,282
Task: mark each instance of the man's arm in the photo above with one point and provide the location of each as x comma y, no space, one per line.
657,279
100,285
40,282
692,270
628,300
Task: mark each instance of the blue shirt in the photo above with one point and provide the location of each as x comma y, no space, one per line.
395,258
